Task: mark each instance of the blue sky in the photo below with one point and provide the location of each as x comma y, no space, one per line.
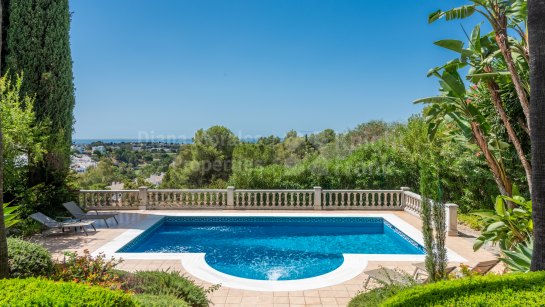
258,67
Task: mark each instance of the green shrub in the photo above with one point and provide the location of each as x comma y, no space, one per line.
505,290
28,259
89,270
43,292
167,283
376,296
149,300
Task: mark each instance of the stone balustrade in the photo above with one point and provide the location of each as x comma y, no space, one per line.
233,199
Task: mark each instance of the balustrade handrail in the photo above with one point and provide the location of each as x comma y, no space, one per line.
412,194
360,191
186,190
273,190
107,191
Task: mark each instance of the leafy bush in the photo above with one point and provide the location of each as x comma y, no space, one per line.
519,259
28,259
10,215
492,290
88,270
42,292
167,283
506,225
376,296
149,300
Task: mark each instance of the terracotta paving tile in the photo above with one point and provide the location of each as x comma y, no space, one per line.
296,294
328,300
281,293
311,293
312,300
297,300
219,299
233,300
250,300
281,300
327,293
220,292
265,299
343,301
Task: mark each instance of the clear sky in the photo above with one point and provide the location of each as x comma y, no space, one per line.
258,67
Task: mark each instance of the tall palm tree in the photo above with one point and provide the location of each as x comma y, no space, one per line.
536,38
4,269
453,105
502,15
480,54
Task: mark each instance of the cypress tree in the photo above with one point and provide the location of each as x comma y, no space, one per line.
38,46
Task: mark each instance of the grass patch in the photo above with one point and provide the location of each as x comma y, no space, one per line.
471,221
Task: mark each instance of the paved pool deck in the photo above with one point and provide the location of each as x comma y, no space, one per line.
337,295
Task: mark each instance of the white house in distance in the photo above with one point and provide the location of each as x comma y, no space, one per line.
155,179
100,149
80,163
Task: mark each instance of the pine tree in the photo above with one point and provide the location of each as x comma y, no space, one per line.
38,45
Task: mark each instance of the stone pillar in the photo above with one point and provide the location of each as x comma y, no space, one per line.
452,219
143,198
317,198
230,198
403,190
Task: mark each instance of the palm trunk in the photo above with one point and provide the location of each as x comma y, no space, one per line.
498,172
493,88
501,39
4,268
536,32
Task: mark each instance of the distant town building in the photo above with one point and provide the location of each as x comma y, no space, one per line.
80,163
78,148
116,186
100,149
155,179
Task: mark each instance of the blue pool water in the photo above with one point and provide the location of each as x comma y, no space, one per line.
273,248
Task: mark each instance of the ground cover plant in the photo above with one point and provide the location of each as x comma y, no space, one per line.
43,292
164,285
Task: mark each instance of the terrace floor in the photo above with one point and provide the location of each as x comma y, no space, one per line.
338,295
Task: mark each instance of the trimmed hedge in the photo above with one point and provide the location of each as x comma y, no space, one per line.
505,290
28,259
43,292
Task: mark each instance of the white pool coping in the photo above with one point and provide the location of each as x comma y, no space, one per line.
195,264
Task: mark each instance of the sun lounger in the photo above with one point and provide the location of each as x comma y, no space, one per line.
51,223
386,276
78,213
420,269
484,267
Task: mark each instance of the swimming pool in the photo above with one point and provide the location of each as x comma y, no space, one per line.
271,247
